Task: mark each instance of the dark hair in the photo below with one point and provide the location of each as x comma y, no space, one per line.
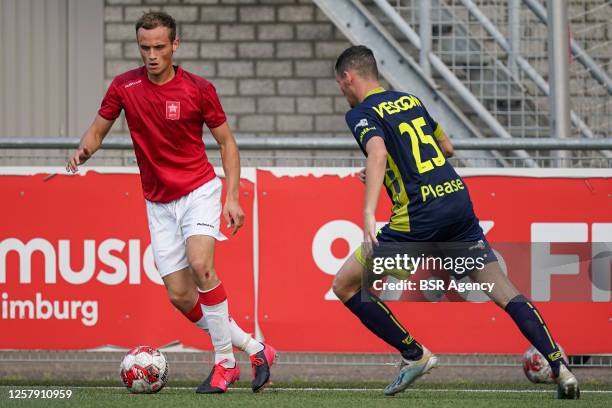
154,19
358,58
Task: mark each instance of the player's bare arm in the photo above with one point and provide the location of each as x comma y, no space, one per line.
90,143
446,145
374,175
230,158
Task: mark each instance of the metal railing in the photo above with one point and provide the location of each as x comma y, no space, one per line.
474,49
293,143
311,152
498,50
590,84
456,79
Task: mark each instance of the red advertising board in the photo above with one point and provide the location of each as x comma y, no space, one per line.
77,270
77,249
308,223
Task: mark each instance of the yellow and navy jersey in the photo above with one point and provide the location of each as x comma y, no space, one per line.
426,191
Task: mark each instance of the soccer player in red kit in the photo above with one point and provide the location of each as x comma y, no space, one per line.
166,108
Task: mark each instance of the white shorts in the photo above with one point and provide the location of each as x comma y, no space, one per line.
170,224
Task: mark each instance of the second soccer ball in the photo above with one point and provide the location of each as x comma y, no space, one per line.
535,366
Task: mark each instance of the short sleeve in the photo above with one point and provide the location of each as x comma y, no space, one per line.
111,106
437,129
364,126
212,111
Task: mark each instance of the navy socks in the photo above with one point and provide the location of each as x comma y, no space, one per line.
531,324
377,317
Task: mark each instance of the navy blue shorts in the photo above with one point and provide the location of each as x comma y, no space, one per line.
462,239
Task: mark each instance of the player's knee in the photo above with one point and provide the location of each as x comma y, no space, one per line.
182,299
204,270
337,288
343,290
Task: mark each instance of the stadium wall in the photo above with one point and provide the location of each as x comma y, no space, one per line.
76,264
270,60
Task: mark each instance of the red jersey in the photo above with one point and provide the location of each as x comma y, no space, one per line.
165,123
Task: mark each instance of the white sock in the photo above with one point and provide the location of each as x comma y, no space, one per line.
217,319
240,339
243,340
202,322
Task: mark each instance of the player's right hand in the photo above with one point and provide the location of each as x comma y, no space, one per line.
362,175
80,156
369,234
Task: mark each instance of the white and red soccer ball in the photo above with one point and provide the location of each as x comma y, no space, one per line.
144,370
536,368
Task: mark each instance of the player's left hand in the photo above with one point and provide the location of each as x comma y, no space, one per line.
362,175
233,215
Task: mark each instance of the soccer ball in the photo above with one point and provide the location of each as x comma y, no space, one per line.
536,367
144,370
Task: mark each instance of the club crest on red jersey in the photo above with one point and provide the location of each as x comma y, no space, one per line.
173,110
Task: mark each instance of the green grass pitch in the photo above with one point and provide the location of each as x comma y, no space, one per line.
318,395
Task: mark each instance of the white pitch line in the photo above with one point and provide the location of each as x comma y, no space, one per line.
417,390
271,389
